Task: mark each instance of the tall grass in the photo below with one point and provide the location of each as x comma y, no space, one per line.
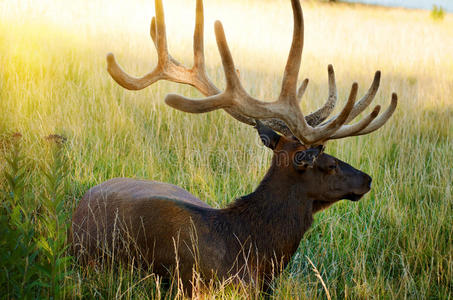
394,243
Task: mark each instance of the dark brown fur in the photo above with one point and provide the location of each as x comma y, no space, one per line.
253,238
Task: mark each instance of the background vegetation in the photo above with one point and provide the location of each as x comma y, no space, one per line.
394,243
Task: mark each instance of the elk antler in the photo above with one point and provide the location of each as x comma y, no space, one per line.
283,115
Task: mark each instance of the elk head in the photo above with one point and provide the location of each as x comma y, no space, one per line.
323,178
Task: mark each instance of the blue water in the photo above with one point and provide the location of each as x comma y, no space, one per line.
447,5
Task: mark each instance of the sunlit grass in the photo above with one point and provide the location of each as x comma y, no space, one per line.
396,242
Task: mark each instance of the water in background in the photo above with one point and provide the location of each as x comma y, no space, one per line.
447,5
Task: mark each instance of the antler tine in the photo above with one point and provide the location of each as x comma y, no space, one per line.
289,82
367,98
127,81
161,37
197,106
377,123
232,79
301,90
317,117
153,31
198,45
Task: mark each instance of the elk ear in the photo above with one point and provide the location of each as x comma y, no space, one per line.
306,158
269,137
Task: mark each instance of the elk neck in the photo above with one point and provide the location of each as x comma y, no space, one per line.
274,217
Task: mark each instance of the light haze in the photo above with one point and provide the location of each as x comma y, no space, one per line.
423,4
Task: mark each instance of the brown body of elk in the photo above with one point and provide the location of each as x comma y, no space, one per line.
253,238
167,228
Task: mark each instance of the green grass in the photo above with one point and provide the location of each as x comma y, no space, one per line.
395,243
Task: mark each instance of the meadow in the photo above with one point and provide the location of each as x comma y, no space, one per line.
396,243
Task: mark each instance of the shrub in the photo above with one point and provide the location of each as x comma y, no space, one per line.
437,13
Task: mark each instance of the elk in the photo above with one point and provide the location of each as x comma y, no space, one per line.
256,235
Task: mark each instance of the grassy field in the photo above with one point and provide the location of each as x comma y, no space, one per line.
397,242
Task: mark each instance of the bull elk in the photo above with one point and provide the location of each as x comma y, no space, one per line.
167,228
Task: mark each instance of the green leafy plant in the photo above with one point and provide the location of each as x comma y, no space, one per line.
33,223
18,250
52,241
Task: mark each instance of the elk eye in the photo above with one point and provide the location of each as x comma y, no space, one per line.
332,167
